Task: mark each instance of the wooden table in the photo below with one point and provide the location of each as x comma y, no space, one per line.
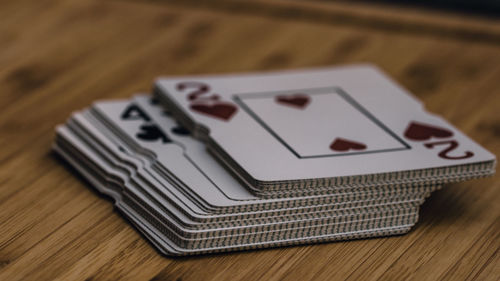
59,56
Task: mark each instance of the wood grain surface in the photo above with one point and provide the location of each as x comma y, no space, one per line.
59,56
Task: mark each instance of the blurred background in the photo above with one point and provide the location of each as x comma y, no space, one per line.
483,7
58,56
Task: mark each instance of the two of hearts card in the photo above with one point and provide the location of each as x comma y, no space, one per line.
232,162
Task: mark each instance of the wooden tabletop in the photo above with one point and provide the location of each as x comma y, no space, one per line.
59,56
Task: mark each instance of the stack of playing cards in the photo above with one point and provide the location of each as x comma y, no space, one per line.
222,163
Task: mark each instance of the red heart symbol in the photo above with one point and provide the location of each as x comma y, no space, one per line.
296,100
221,110
420,132
340,144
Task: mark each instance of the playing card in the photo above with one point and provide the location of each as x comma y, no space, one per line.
326,127
244,235
166,246
212,217
238,162
380,220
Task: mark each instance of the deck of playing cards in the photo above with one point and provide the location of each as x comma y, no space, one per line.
222,163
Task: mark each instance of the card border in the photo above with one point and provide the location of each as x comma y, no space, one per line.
238,99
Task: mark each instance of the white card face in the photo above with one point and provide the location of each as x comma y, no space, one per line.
327,123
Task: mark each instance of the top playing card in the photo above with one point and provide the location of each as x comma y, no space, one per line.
335,126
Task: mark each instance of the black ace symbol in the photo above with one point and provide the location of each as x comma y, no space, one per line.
151,132
133,112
